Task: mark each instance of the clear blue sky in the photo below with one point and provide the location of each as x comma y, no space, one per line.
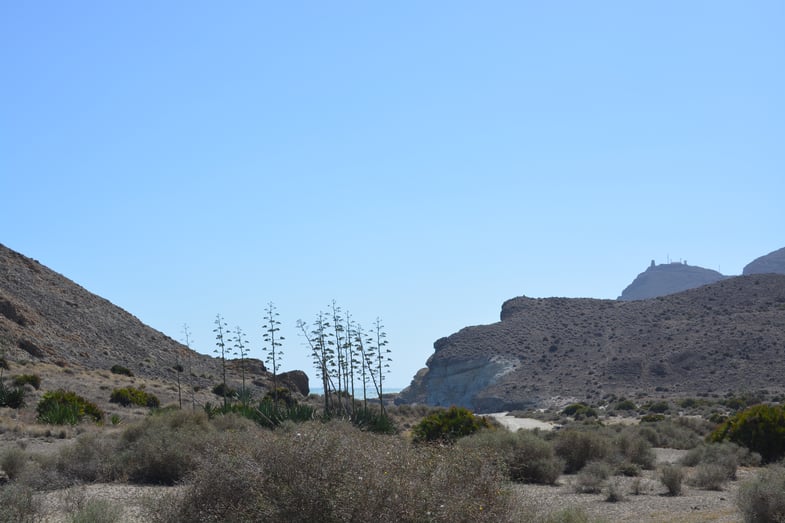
417,161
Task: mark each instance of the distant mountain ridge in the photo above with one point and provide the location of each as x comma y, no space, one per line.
724,337
774,262
668,278
677,330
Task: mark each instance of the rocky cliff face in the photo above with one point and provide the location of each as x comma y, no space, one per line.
774,262
669,278
724,337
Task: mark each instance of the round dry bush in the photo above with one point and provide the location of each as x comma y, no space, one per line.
163,448
527,457
672,476
578,447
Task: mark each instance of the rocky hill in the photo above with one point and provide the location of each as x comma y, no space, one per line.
728,336
47,318
774,262
668,278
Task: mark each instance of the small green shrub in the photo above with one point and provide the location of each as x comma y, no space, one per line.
373,420
62,407
578,447
658,407
131,396
761,499
119,369
760,428
224,390
448,425
24,379
652,418
12,397
672,476
579,411
625,405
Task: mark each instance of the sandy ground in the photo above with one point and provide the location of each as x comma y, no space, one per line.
514,424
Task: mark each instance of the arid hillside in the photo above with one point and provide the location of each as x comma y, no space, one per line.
47,319
725,337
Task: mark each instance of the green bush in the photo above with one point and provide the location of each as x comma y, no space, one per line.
448,425
657,407
23,379
373,420
131,396
761,499
578,447
119,369
62,407
12,397
760,428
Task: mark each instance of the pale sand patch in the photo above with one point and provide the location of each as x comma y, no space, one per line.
514,424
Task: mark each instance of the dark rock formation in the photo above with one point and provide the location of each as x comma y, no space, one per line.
774,262
724,337
668,278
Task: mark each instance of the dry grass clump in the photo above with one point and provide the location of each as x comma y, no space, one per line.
334,472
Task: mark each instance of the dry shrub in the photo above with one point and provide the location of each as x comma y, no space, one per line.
18,504
527,457
163,448
578,447
636,449
334,472
88,459
592,477
672,476
13,461
709,476
762,499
